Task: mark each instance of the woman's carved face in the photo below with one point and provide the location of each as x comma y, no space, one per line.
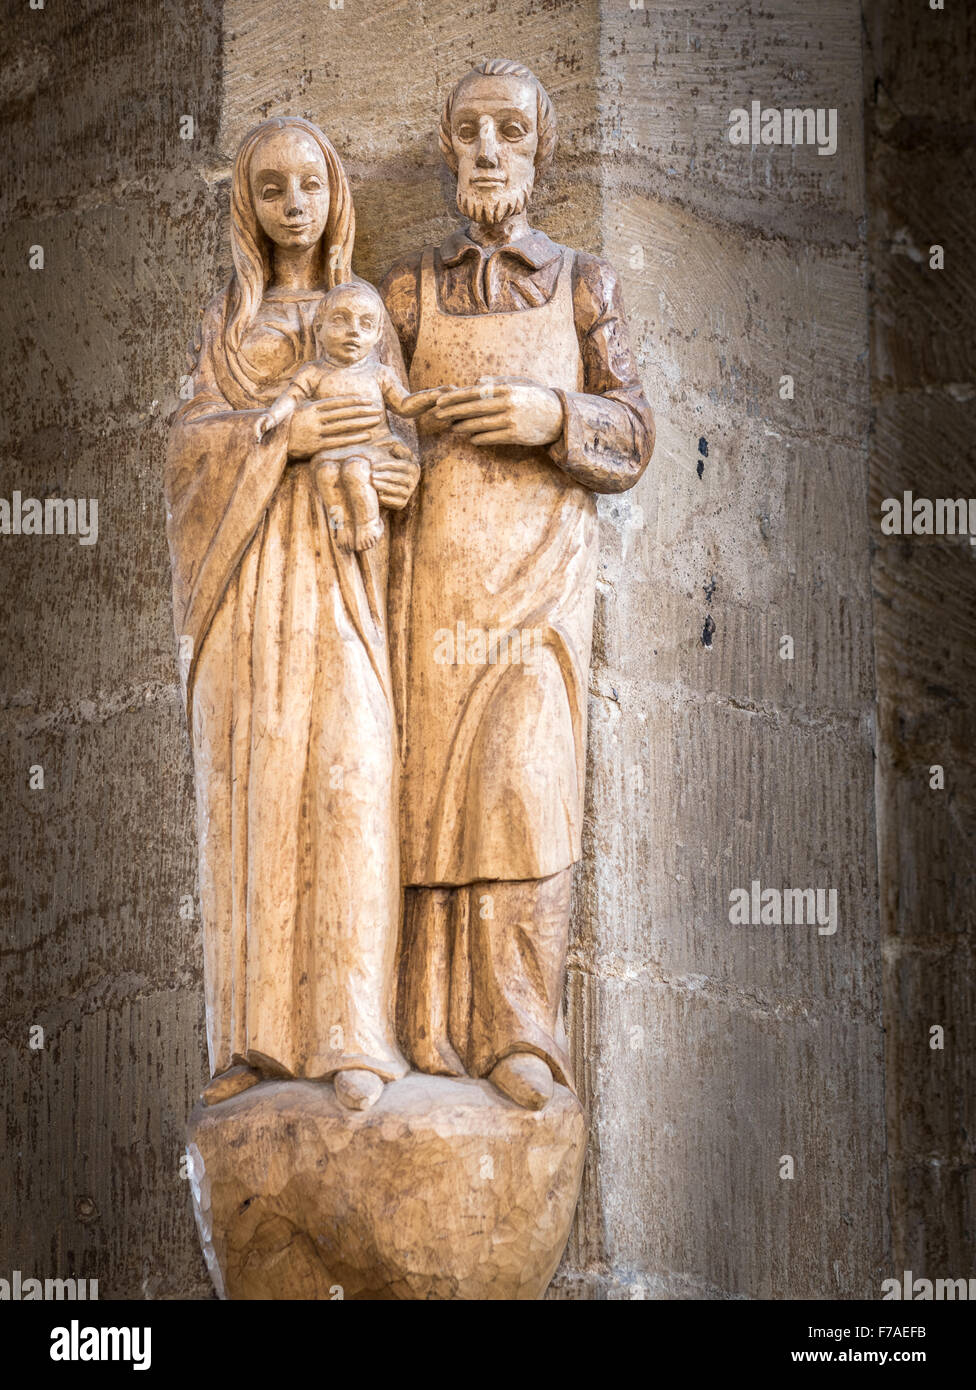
290,188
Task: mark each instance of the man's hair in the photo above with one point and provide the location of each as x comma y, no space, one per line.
545,116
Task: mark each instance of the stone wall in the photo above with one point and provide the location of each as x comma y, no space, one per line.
706,1052
715,1050
95,866
921,131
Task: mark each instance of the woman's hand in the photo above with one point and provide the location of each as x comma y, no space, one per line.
330,424
396,477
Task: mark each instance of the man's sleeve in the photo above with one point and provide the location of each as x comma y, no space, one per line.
608,427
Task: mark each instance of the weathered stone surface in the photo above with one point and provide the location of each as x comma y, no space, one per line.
443,1190
921,133
722,761
101,944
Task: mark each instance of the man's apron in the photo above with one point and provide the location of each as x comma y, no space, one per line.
503,558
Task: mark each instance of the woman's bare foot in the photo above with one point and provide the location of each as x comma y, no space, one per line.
230,1083
357,1089
524,1078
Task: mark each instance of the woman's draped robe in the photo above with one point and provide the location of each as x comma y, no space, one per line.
287,687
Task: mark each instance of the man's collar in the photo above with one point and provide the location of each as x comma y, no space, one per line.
535,248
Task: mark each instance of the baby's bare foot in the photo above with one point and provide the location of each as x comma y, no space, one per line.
368,534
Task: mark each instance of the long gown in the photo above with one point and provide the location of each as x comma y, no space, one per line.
289,705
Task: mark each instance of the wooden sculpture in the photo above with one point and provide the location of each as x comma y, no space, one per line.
314,718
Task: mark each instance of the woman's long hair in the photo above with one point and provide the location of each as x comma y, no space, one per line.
252,249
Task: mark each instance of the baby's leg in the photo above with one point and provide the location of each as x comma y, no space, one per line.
362,504
327,478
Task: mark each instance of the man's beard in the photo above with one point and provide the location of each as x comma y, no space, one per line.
489,207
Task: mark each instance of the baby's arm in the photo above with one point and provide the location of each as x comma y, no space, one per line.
300,388
400,400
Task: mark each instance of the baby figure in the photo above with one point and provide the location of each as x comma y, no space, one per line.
347,327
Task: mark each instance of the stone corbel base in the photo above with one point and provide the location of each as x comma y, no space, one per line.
443,1190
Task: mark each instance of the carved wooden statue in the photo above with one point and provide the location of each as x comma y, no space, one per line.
502,543
287,674
341,759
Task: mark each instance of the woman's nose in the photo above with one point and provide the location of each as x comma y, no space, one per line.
294,204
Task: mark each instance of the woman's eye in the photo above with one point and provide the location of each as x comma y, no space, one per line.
465,132
312,185
513,132
270,191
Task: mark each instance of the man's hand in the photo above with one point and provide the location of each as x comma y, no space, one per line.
503,410
330,424
396,477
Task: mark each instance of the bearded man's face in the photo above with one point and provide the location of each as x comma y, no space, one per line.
494,135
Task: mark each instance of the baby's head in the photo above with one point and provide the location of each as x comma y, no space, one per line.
348,323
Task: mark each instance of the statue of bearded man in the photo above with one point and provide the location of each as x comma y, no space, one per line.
493,591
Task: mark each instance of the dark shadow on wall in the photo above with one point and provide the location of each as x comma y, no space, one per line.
920,118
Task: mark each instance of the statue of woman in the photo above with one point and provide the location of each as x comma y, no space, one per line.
284,657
